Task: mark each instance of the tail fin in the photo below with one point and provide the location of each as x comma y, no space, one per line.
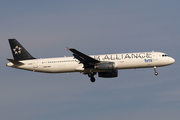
18,51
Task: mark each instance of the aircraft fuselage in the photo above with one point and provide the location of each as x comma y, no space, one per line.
122,61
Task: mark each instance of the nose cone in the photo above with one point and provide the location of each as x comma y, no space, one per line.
171,60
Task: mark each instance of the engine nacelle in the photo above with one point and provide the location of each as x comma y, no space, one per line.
109,74
105,66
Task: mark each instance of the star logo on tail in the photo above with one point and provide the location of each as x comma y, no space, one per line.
17,50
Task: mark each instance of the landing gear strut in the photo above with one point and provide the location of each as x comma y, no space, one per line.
156,73
91,75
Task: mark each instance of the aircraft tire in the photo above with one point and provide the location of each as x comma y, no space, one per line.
156,73
93,79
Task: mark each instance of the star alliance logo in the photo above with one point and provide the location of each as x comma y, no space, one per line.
17,50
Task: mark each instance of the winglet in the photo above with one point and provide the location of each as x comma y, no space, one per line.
67,48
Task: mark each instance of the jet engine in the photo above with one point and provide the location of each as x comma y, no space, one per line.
109,74
105,66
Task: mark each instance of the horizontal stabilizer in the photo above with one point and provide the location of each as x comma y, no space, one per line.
15,62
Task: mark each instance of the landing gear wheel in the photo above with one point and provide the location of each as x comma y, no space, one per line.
91,75
93,79
156,73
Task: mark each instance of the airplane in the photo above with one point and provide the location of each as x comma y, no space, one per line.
106,65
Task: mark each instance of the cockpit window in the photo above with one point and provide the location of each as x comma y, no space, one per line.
164,55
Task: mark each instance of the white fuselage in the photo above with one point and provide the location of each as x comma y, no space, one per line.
122,61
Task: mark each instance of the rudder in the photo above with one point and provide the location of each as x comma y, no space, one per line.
18,51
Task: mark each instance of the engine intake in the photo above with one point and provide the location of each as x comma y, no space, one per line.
105,66
110,74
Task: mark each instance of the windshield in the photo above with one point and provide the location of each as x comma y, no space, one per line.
164,55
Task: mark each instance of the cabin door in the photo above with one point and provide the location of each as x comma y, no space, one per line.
155,56
35,64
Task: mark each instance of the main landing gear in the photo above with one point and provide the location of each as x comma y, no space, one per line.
156,73
91,75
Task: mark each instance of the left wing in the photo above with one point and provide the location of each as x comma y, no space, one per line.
86,60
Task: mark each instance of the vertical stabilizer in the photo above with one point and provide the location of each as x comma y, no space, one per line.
18,51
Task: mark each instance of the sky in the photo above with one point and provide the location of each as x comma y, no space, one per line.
45,28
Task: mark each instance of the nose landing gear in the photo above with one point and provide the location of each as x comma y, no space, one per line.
156,73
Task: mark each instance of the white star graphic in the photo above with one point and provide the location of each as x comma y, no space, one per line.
17,50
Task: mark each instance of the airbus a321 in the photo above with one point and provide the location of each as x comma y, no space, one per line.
106,65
